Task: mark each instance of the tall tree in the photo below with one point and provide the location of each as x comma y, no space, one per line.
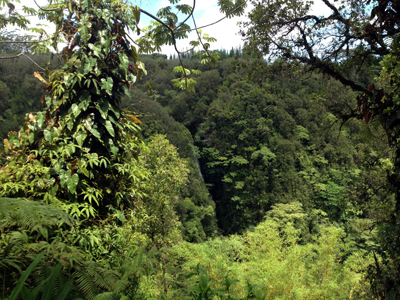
345,44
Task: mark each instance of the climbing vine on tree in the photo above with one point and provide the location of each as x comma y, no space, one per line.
79,142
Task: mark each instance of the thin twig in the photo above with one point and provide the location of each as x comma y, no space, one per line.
157,19
33,62
190,15
140,46
15,56
45,9
22,42
173,39
198,34
227,15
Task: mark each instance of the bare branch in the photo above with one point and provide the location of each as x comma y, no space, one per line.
198,34
33,61
186,51
15,56
140,46
22,42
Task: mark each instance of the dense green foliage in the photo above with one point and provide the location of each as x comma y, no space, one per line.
121,183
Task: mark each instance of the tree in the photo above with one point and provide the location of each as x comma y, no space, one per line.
79,154
167,175
346,44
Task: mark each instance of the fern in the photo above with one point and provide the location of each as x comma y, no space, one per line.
107,296
30,215
98,283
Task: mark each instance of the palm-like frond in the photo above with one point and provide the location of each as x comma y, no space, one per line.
30,215
98,283
93,279
107,296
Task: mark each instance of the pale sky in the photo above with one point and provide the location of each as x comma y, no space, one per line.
206,12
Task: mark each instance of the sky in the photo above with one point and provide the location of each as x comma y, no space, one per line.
207,11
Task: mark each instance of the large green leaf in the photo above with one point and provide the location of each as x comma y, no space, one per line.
107,85
50,283
73,183
24,277
109,128
124,60
84,28
96,51
48,136
80,137
75,109
64,291
102,107
41,119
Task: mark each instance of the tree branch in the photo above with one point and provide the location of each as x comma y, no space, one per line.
33,61
15,56
191,14
22,42
45,9
227,15
198,34
173,38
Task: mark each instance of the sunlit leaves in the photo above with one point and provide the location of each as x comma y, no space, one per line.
184,8
84,28
80,137
137,14
185,84
109,128
107,85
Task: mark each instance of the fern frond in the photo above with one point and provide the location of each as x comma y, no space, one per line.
30,215
85,284
107,296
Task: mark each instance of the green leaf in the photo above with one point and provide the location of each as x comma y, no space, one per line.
84,170
48,136
96,50
203,280
109,128
137,14
141,69
32,295
25,276
83,28
95,132
107,85
64,291
50,283
90,63
102,107
112,147
87,4
115,110
73,183
80,137
134,54
75,109
41,119
124,60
